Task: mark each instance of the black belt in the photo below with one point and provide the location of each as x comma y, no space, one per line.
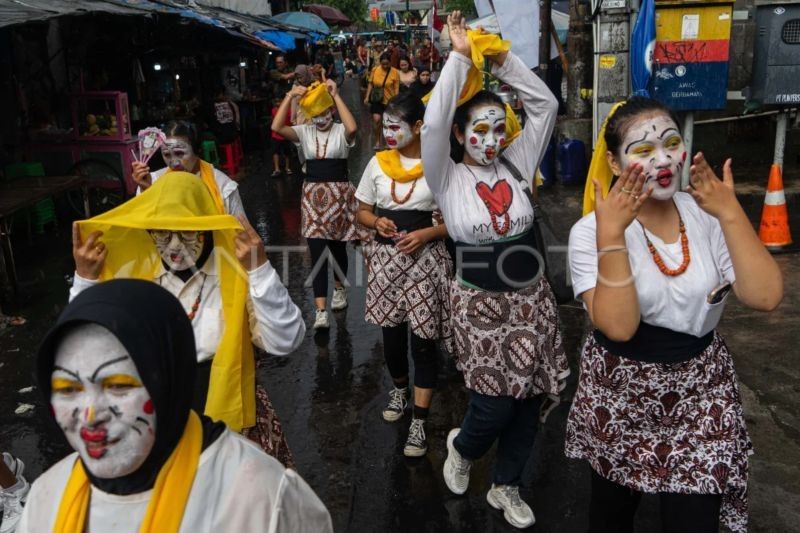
405,219
324,170
654,344
501,266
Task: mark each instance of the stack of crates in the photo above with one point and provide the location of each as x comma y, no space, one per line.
42,212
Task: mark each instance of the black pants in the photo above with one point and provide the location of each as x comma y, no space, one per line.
321,252
395,351
613,506
513,423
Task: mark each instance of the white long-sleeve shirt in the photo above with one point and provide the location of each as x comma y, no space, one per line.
276,323
237,488
457,186
228,189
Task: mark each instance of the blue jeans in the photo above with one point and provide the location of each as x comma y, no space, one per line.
514,422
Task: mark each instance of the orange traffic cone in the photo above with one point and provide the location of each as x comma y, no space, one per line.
774,230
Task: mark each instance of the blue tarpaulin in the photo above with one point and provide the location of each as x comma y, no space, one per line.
281,39
643,41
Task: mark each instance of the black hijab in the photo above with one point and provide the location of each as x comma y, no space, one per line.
153,327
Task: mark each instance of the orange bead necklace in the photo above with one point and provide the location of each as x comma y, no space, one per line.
684,247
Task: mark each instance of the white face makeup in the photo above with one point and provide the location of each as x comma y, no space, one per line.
324,121
179,249
100,403
178,154
396,131
656,144
485,133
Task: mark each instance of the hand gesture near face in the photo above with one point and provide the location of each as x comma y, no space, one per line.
715,196
457,26
332,88
140,173
90,255
619,208
249,246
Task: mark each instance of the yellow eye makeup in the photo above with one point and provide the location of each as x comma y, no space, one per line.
672,142
481,129
120,381
65,386
641,150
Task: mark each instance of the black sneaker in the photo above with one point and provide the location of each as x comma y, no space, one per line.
416,444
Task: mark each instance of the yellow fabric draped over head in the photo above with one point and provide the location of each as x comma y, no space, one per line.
599,168
170,493
389,161
316,100
178,201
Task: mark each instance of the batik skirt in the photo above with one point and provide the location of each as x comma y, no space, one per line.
328,211
411,288
268,432
664,427
509,343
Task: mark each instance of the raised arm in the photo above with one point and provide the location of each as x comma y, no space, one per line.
348,121
279,122
541,108
441,109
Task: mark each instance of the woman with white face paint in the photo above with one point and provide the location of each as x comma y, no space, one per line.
180,154
505,317
409,268
116,370
328,205
217,267
658,408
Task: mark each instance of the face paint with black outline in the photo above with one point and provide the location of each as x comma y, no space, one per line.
178,154
100,403
485,133
655,142
178,249
324,121
396,131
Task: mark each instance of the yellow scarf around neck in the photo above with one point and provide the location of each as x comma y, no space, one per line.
389,160
170,493
178,201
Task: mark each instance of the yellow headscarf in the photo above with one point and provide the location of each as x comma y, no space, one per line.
599,169
167,501
180,202
389,161
316,100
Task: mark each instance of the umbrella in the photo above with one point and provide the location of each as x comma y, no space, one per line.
643,40
329,14
306,21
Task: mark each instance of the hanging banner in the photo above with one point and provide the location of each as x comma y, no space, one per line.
519,23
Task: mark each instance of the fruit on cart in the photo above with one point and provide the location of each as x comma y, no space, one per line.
91,120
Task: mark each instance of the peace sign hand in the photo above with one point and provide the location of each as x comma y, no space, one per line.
90,256
457,26
619,208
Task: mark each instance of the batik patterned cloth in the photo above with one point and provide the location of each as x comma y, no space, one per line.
411,288
268,432
658,427
509,343
329,211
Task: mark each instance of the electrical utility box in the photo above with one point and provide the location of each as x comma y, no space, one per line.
690,59
776,61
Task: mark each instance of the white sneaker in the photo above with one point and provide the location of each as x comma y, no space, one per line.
12,499
321,321
339,300
416,444
456,468
398,400
506,498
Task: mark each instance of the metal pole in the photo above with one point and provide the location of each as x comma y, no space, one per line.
545,11
688,139
780,138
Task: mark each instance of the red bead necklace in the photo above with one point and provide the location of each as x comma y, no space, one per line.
324,149
684,247
407,196
196,304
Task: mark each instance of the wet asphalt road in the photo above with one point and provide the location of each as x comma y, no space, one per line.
330,392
